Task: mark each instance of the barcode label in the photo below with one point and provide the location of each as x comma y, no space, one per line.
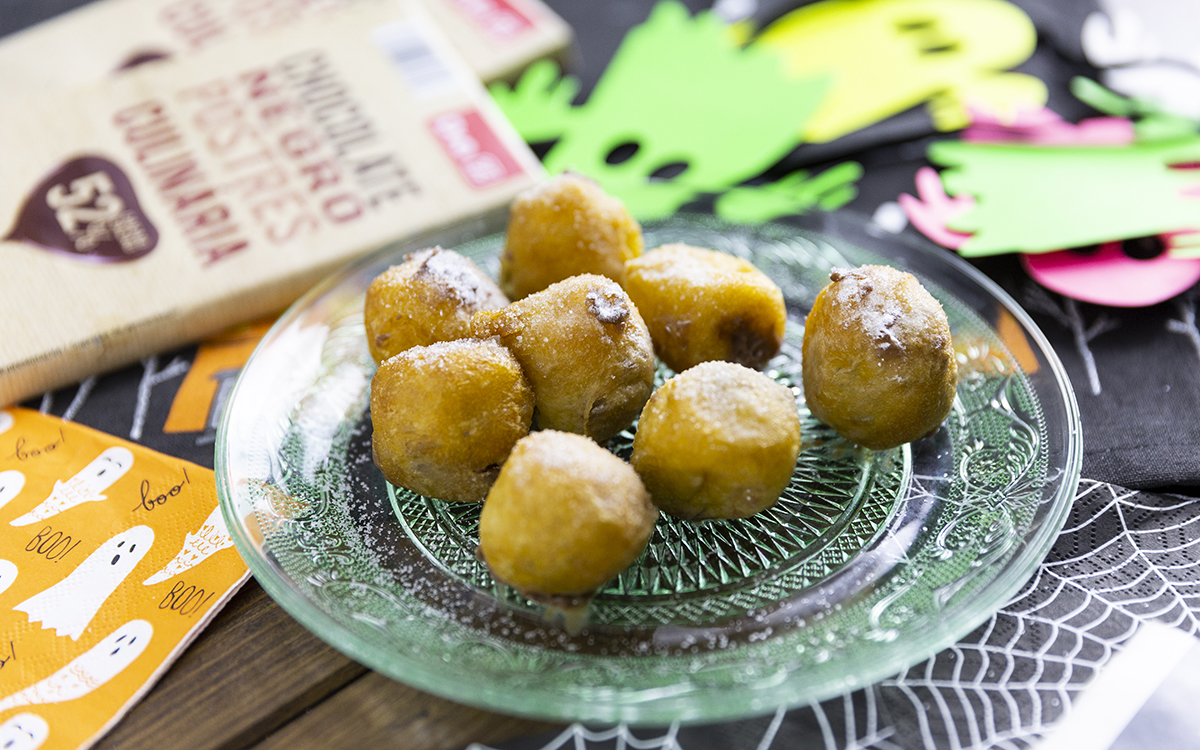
425,72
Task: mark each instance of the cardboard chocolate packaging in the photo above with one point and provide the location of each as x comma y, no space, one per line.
497,38
152,208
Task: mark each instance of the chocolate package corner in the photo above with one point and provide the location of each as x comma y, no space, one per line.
155,207
496,38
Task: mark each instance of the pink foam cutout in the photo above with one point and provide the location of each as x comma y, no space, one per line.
934,209
1110,277
1045,127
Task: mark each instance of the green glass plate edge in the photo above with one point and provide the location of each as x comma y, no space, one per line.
656,703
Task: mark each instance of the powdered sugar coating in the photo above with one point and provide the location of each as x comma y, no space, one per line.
585,349
564,516
429,297
445,416
886,318
878,362
455,275
703,305
718,440
608,304
563,227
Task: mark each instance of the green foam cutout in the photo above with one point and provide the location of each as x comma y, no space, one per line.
684,111
795,193
688,108
1151,123
1037,198
539,105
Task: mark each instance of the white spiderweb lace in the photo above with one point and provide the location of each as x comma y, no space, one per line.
1123,558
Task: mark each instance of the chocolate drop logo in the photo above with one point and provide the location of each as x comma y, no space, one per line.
143,57
86,209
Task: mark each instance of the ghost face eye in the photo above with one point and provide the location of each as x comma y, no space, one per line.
1143,248
120,544
669,171
938,49
925,34
914,24
622,152
132,640
107,463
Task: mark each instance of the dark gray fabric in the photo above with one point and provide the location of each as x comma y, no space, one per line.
19,14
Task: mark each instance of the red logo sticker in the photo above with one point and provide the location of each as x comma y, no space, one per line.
496,17
481,157
86,209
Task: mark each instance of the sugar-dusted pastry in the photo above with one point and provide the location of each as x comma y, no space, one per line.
564,227
446,415
878,362
564,517
718,440
429,297
703,305
585,350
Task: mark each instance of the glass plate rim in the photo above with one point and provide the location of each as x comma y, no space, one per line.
994,593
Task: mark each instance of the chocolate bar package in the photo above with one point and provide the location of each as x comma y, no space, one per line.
156,207
497,38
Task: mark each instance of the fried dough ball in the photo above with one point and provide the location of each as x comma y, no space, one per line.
878,362
585,350
718,440
564,517
429,297
564,227
446,416
703,305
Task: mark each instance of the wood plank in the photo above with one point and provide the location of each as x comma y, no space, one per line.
377,713
251,671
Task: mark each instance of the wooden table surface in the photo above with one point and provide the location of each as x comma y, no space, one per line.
256,678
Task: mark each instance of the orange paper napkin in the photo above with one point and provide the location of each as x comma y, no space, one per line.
113,557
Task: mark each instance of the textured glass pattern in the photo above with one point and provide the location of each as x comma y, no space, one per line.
870,563
699,573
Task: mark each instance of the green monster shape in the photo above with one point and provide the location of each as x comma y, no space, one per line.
795,193
681,111
1040,198
1150,122
885,56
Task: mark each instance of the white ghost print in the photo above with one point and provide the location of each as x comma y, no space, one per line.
8,574
6,421
69,605
84,487
11,484
24,731
210,538
89,670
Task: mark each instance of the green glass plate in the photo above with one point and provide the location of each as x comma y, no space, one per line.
869,563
